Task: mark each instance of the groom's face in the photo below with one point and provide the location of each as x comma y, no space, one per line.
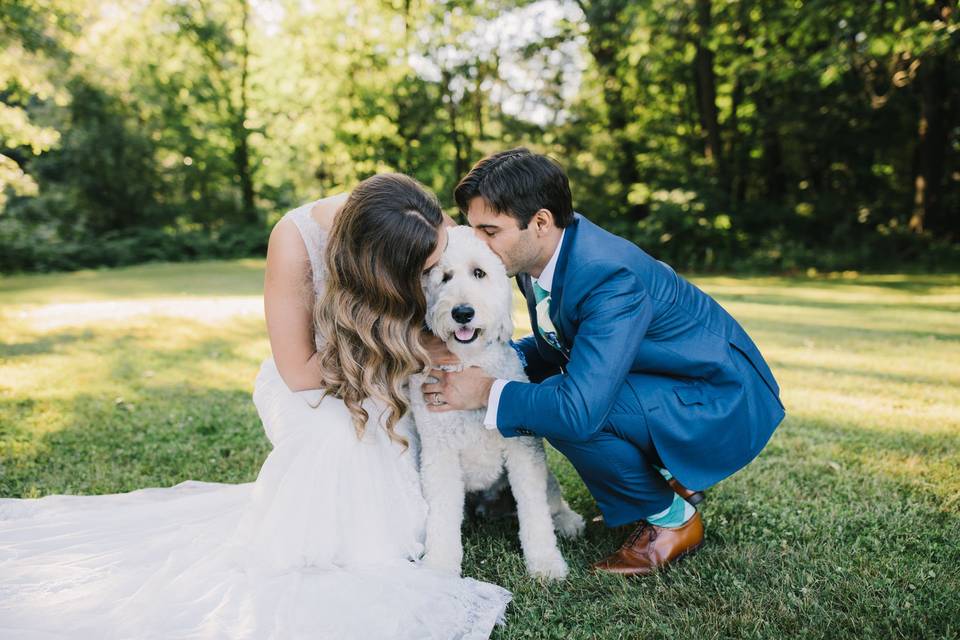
517,248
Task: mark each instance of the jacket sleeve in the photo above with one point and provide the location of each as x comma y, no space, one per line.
613,319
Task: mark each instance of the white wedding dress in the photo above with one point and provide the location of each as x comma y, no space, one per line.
323,545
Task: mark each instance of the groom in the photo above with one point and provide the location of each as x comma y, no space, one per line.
635,373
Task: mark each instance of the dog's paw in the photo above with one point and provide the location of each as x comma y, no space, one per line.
441,562
569,524
550,566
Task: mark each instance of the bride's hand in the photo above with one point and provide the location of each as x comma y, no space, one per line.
457,390
439,354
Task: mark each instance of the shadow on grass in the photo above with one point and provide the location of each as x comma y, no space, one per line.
172,434
46,344
113,425
207,279
915,284
834,531
838,305
937,381
129,357
794,547
843,333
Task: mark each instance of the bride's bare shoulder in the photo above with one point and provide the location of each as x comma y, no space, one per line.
285,247
325,210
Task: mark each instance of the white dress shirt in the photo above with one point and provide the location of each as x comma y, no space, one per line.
545,281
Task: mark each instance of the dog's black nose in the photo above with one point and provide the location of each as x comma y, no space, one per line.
462,313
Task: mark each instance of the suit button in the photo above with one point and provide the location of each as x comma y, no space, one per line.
524,432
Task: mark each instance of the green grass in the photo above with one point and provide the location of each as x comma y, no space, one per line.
845,526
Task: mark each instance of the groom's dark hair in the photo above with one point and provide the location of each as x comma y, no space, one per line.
519,183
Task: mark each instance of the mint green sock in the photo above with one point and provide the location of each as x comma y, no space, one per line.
676,515
664,472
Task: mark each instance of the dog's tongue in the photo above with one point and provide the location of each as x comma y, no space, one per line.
464,333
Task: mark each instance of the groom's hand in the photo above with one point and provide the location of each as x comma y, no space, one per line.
457,390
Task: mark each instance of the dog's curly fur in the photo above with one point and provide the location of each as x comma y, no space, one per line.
458,453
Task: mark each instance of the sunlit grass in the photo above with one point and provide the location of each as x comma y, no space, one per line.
845,526
196,279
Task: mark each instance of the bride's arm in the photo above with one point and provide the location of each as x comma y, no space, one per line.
288,306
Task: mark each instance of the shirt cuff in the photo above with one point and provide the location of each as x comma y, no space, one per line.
493,403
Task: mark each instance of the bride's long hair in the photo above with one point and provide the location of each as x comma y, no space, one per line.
369,319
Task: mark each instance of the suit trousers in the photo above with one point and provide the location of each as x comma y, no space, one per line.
617,463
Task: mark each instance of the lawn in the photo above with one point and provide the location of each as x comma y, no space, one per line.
845,526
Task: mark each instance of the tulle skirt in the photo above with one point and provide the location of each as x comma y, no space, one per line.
324,544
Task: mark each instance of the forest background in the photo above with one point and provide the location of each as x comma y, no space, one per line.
720,135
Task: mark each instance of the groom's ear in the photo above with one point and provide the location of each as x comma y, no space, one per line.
543,220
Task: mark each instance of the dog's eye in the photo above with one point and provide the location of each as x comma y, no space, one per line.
447,276
479,273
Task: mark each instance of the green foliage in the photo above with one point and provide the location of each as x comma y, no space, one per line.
806,134
30,54
24,251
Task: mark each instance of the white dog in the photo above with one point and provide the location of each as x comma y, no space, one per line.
469,307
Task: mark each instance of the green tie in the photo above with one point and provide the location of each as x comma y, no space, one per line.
544,323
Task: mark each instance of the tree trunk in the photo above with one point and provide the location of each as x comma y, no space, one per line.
478,102
403,103
460,167
775,181
241,133
707,90
739,151
933,138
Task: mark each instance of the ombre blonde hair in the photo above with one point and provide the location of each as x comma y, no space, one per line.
370,316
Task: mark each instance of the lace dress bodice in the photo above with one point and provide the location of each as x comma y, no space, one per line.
315,239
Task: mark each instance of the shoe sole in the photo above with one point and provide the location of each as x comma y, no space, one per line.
688,552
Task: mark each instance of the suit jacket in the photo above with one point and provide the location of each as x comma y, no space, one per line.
627,323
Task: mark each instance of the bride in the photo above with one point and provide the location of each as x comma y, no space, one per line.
325,543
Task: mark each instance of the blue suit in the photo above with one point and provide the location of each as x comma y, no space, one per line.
651,371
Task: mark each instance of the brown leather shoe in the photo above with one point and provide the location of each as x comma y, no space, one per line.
650,548
693,497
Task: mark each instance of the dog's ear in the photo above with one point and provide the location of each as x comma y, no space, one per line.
506,321
506,328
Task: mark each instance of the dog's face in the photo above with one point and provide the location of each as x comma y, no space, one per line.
468,295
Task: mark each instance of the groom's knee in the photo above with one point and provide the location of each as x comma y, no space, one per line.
618,475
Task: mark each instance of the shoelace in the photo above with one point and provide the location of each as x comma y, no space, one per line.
639,532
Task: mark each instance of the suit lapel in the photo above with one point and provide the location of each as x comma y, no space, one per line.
525,282
526,287
559,278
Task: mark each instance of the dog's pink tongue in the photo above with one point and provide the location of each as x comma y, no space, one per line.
464,333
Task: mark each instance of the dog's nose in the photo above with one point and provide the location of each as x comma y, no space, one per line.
462,313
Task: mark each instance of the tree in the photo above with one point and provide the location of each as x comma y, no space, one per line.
31,52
